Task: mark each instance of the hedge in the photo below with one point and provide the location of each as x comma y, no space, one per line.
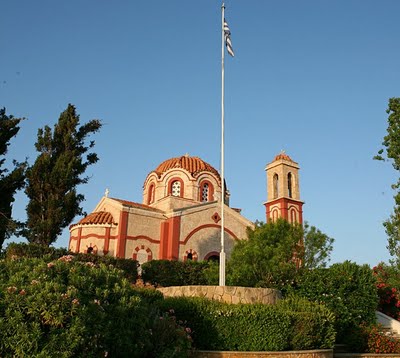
177,273
290,325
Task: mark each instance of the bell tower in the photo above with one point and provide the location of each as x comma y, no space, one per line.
283,192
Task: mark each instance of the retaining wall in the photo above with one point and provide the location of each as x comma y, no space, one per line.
229,294
318,353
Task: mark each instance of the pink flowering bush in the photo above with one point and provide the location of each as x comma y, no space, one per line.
69,308
173,337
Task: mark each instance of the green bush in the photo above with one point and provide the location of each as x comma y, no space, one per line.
31,250
128,266
312,324
347,289
254,327
70,308
15,250
175,273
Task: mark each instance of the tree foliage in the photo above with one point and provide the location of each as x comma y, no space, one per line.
10,180
53,179
391,153
273,253
317,247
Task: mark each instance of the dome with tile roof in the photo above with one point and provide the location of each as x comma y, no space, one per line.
284,156
194,165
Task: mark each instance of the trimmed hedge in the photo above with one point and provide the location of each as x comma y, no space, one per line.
176,273
293,324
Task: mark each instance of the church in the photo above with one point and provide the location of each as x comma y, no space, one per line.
179,217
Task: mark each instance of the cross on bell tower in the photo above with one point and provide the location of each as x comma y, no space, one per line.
283,191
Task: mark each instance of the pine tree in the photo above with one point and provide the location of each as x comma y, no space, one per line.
10,181
53,179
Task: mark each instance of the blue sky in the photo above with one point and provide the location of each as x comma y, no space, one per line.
310,77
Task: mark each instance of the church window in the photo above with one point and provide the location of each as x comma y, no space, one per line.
190,256
205,192
290,181
150,199
176,188
293,216
276,186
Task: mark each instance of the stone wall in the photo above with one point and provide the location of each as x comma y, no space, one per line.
364,355
323,353
229,294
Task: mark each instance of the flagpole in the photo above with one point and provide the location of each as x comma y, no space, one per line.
222,253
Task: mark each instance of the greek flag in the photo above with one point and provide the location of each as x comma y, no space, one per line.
228,42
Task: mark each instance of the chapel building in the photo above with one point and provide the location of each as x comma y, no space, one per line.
180,214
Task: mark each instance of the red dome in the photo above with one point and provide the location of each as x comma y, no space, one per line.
194,165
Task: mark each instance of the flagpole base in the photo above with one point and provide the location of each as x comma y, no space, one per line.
222,259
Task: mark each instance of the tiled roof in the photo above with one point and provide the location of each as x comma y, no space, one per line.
136,205
284,156
193,165
98,217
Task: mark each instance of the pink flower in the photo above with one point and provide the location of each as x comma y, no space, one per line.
50,264
22,292
66,258
11,289
75,301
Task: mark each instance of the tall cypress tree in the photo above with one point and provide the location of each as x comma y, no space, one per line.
10,181
53,179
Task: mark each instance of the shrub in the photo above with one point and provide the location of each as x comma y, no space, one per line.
347,289
128,266
387,283
32,250
175,273
48,253
171,338
69,308
312,324
380,342
253,327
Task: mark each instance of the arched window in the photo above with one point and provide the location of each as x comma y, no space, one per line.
275,215
206,192
176,188
212,256
276,186
293,216
150,197
190,256
289,183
